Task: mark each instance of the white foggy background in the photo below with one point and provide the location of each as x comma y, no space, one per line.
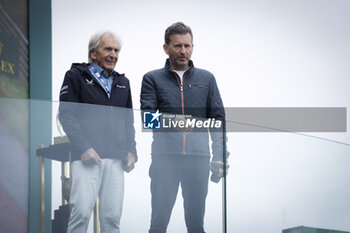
263,53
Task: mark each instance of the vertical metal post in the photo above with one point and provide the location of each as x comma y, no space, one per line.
96,218
224,188
224,210
41,194
70,162
64,174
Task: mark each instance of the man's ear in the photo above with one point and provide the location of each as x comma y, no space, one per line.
93,55
165,47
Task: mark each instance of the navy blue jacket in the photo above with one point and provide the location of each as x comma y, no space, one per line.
198,96
93,120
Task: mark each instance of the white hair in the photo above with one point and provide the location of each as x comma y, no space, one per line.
96,39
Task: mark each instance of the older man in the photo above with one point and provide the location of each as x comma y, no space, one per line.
102,137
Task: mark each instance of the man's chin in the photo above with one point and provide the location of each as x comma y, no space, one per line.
182,63
110,68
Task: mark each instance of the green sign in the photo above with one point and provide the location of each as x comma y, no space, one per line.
9,55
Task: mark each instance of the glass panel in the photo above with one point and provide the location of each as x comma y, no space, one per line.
283,180
276,180
104,126
14,165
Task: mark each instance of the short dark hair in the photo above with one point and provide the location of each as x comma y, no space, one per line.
177,28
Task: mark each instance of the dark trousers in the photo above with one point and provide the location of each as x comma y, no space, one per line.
166,173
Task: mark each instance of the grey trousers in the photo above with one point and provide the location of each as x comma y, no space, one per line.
104,180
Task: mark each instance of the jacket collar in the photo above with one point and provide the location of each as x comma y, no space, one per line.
84,67
102,71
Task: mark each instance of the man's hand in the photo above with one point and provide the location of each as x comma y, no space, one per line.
217,169
90,157
130,161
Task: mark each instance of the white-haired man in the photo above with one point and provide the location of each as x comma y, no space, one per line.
102,137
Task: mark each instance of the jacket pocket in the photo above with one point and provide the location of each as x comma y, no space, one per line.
197,85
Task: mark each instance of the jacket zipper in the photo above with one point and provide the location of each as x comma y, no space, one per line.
182,110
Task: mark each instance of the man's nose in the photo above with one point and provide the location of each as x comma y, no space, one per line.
182,50
114,54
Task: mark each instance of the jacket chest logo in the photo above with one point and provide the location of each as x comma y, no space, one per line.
89,82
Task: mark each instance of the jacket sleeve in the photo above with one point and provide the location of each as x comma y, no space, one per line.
68,112
215,109
148,94
130,130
